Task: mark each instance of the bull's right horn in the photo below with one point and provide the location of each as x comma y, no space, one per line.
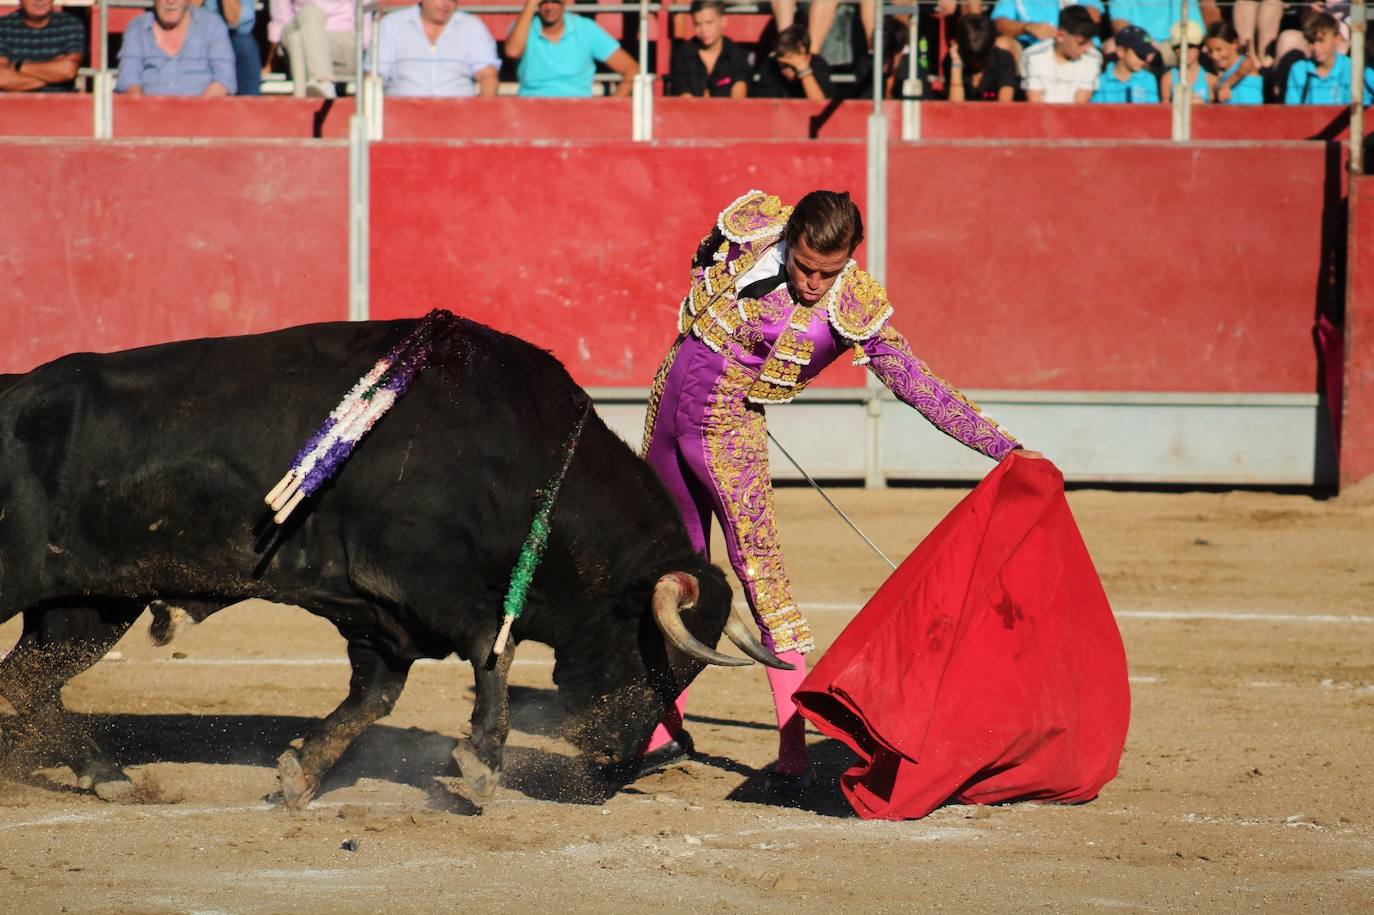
741,633
673,593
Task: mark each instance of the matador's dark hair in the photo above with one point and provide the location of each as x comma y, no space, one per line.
829,221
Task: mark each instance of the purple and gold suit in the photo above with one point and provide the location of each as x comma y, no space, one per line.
705,431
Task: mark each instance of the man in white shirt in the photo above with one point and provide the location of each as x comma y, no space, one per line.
1063,69
433,51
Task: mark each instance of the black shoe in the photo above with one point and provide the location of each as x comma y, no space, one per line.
785,787
679,749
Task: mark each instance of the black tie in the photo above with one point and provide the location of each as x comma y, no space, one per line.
762,287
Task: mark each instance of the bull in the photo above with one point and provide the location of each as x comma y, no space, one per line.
137,478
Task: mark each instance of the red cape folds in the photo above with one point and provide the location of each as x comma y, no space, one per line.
988,668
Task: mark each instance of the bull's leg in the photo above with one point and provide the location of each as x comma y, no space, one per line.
479,756
373,689
56,645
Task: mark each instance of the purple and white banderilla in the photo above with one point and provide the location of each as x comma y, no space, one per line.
329,448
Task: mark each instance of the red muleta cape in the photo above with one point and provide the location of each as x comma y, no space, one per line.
987,669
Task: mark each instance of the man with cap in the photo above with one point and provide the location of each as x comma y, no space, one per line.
1157,17
1127,80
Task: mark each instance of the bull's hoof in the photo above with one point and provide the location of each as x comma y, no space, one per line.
104,780
168,621
479,781
114,790
297,788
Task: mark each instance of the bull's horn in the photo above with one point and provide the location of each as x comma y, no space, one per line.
673,593
742,634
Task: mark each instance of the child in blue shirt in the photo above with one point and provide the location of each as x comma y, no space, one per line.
1187,51
1237,75
1325,79
1127,80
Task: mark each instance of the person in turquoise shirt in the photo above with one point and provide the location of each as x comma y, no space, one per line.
1156,17
1325,79
559,58
1237,75
1127,80
1200,78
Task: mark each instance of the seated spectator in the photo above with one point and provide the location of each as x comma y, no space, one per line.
791,70
559,59
1063,69
1022,23
431,50
709,64
40,49
1128,80
176,49
1198,78
319,39
1157,18
240,16
978,70
1237,80
1325,78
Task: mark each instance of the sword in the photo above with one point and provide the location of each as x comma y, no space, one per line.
852,526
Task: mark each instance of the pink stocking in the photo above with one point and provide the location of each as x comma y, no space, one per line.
671,725
792,757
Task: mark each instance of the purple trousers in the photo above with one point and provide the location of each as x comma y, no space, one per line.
709,446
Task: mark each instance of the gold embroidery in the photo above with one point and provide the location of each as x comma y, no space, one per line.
791,348
753,216
736,442
778,372
860,307
656,395
764,392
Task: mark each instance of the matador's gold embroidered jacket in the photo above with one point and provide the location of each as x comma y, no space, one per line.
786,341
705,433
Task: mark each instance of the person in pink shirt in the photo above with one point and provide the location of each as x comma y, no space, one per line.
319,39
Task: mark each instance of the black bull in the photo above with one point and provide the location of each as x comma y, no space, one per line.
138,477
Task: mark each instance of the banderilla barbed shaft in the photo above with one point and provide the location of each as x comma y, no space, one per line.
852,526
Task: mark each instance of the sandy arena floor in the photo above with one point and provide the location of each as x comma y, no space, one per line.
1248,620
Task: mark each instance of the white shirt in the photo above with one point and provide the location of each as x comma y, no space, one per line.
409,65
1041,71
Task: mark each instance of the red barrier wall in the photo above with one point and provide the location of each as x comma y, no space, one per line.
1111,266
1033,265
129,243
1357,424
580,247
674,118
1062,266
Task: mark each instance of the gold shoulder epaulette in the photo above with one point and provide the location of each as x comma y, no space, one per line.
753,217
860,308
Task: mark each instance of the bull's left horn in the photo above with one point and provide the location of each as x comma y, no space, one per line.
741,633
672,594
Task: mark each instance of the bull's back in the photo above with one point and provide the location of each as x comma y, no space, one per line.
172,447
